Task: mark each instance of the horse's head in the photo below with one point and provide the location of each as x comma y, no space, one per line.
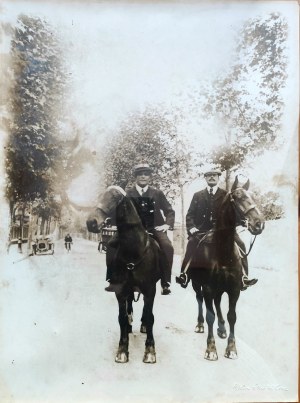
108,203
245,207
126,214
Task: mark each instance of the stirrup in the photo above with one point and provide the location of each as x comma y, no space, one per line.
183,280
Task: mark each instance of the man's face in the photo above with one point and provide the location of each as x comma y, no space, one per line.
212,179
143,178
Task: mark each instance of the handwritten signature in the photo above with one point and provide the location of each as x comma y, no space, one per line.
257,386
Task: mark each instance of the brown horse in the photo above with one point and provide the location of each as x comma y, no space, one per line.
135,265
216,266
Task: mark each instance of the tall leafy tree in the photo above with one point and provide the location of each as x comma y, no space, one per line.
247,101
38,81
36,98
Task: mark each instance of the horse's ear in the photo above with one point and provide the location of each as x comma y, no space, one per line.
235,183
246,185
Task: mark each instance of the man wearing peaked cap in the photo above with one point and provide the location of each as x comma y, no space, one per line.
150,203
212,170
142,168
201,217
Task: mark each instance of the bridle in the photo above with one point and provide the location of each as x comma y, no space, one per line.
243,218
242,213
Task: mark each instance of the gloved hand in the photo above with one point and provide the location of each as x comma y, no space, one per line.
193,230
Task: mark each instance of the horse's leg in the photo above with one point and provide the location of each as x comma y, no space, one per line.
122,355
211,351
150,355
230,351
130,312
221,322
200,324
143,328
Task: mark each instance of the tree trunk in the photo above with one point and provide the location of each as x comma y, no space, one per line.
227,180
29,230
182,235
42,229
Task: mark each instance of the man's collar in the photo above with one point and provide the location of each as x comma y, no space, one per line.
214,188
140,189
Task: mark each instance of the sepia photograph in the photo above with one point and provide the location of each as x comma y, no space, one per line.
149,201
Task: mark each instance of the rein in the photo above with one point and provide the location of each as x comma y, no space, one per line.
251,246
130,266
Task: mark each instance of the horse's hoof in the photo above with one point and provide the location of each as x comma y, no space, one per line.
199,328
143,329
232,355
130,319
211,355
149,356
122,358
222,333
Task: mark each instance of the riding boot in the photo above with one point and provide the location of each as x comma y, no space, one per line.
184,277
246,282
166,253
113,285
165,284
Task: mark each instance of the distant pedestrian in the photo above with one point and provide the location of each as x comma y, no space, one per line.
33,245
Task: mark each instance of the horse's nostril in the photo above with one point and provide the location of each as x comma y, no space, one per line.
258,225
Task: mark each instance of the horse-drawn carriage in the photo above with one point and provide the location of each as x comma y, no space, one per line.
106,234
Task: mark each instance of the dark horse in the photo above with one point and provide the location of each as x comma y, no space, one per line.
135,266
216,266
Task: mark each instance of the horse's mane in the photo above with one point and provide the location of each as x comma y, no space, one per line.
118,188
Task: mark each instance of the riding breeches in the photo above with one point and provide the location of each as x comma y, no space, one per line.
242,246
165,256
190,250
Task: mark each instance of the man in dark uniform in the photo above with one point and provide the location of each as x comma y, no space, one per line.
150,203
201,217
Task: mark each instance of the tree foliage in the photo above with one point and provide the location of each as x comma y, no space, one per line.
36,99
247,100
149,136
269,204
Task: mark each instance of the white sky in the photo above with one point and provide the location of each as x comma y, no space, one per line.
123,56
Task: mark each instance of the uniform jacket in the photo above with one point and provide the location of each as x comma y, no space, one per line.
202,213
150,207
